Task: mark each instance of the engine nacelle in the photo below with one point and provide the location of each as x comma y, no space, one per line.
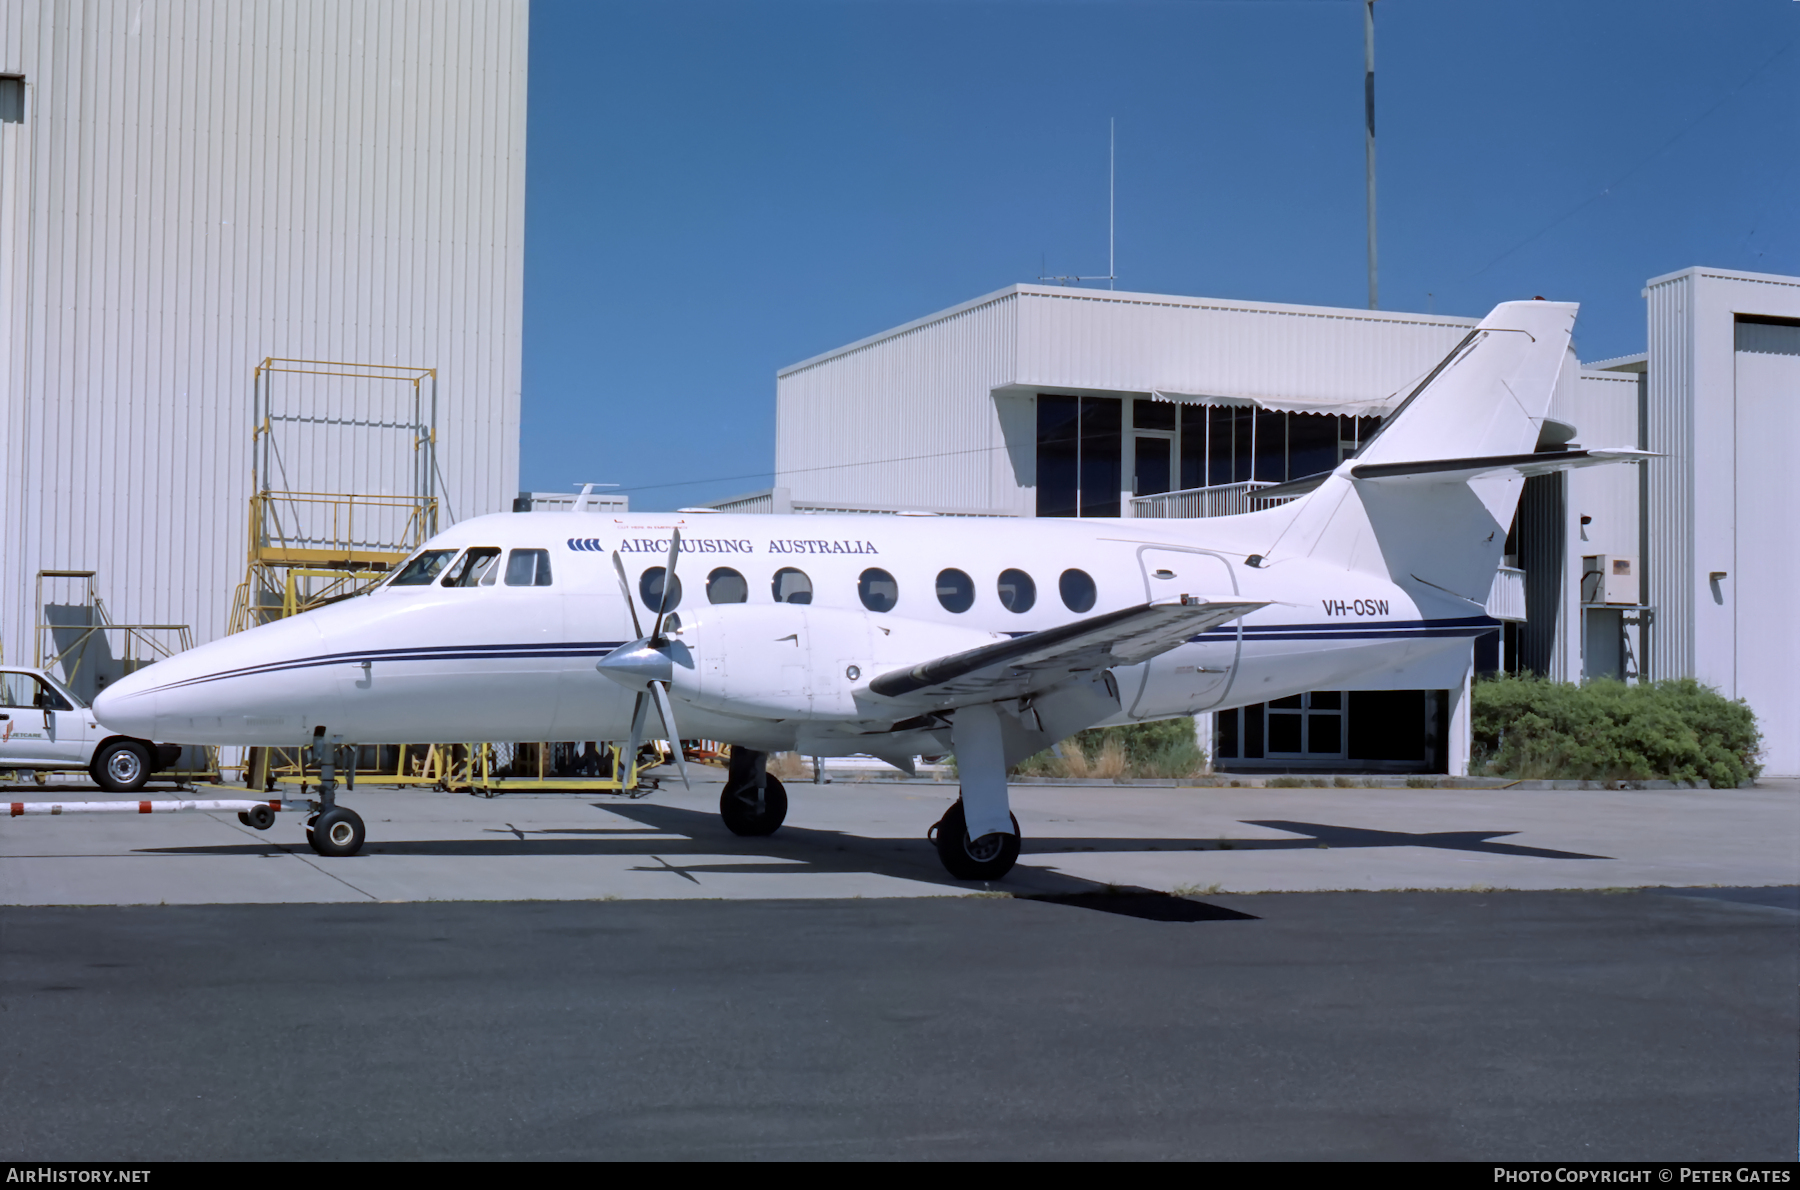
792,661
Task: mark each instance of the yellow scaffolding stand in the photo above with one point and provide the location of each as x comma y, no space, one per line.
484,768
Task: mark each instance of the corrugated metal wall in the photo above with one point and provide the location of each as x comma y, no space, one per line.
913,418
1604,409
1670,567
905,419
1139,342
199,184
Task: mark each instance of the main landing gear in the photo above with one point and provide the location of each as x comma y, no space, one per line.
335,830
753,803
987,858
973,839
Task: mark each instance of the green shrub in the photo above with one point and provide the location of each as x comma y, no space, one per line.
1607,731
1162,748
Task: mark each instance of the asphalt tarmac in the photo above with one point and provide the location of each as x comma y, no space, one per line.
855,840
1517,1025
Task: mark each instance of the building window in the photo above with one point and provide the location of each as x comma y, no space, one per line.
1326,730
12,99
1084,451
1080,444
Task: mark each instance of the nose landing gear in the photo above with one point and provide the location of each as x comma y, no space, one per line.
335,830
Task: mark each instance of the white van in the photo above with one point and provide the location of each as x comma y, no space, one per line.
44,726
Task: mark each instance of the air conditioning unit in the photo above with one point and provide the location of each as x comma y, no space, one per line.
1609,578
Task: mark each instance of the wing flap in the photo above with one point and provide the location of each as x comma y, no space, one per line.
1039,660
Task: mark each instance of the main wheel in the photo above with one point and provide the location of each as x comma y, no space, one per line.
738,808
987,858
336,832
121,767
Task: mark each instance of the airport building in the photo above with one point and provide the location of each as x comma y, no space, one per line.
1046,401
250,248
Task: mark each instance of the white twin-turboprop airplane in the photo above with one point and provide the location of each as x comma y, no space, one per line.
899,636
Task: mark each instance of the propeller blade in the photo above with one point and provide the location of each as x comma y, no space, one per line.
639,711
668,585
637,631
667,710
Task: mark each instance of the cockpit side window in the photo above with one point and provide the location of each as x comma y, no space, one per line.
424,567
472,567
528,568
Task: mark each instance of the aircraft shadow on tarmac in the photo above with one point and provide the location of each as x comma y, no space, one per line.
666,835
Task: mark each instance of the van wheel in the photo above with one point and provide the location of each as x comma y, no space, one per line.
121,767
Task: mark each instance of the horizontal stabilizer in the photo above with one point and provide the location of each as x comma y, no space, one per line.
1462,470
1040,660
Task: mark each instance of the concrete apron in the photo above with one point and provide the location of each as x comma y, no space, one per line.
853,840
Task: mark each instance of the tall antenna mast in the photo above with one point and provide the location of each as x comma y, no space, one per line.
1112,273
1369,134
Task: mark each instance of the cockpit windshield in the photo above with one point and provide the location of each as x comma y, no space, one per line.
425,566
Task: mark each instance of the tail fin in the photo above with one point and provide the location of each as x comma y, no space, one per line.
1489,397
1446,527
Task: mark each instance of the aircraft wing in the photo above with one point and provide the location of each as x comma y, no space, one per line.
1040,660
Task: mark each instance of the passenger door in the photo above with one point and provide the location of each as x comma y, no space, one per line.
1196,675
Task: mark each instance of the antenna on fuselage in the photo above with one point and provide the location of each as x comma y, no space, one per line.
587,490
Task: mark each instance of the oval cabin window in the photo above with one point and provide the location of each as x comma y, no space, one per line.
792,586
726,585
1017,591
955,590
1077,589
878,590
650,588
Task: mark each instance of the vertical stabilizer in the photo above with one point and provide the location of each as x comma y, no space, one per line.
1487,399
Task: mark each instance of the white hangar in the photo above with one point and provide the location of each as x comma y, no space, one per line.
189,189
1047,401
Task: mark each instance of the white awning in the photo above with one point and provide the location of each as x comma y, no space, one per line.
1380,407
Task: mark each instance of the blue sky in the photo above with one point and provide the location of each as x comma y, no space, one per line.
715,190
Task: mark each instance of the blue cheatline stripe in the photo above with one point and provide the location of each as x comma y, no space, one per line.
416,653
1356,630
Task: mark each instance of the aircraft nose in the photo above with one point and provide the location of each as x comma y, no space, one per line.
128,706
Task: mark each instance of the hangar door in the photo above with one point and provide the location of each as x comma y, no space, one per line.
1766,640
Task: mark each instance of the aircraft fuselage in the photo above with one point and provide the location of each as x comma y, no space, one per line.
499,660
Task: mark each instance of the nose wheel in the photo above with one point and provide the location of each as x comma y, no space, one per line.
335,832
987,858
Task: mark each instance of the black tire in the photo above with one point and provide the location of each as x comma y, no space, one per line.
336,832
121,766
260,817
990,858
738,808
243,817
